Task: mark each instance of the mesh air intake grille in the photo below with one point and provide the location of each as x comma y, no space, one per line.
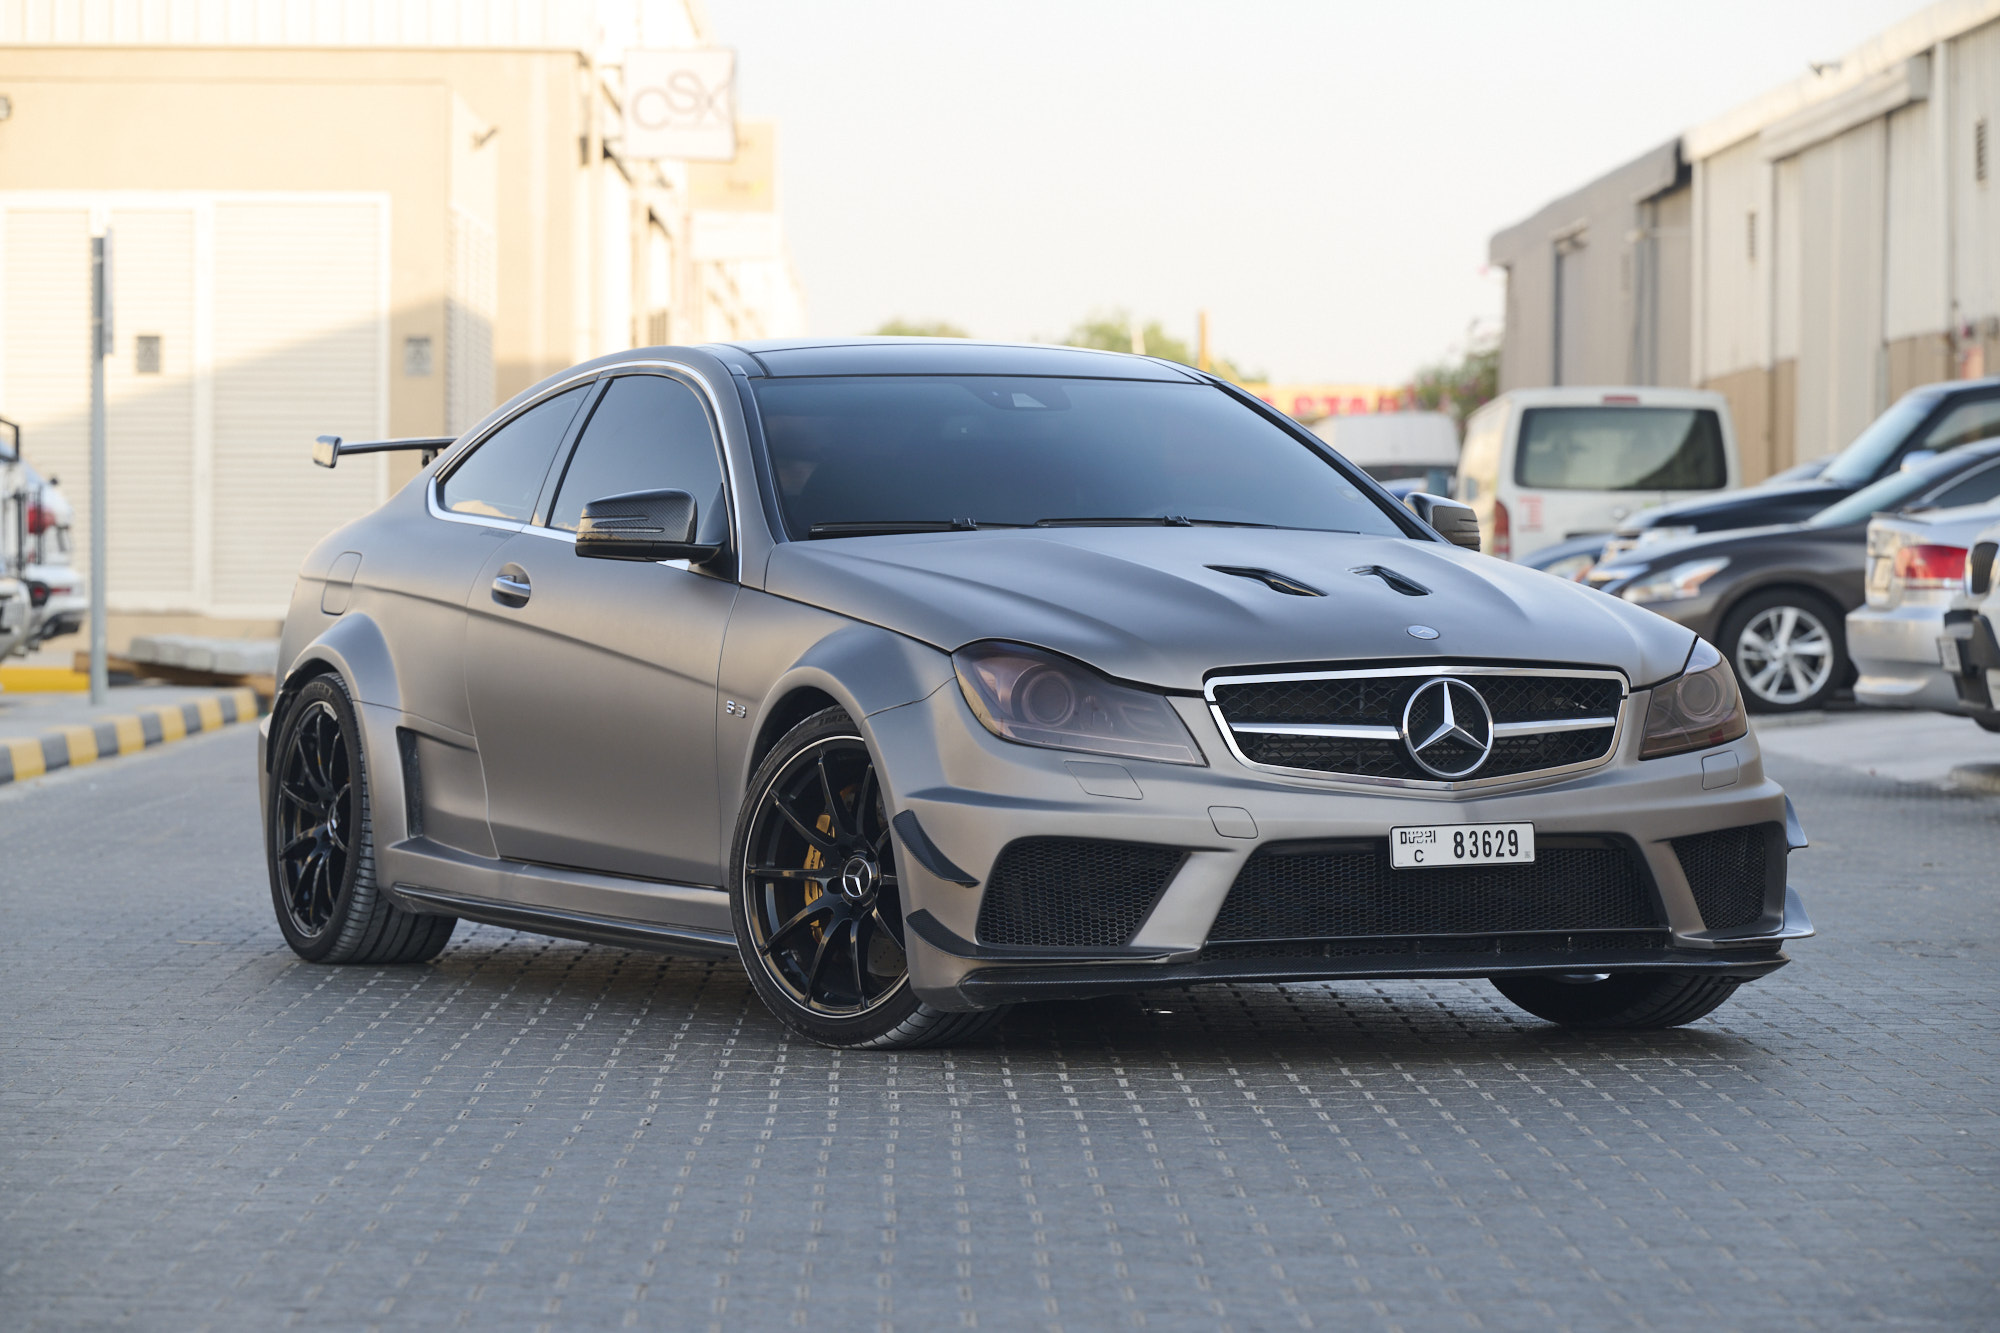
1730,872
1348,890
1073,892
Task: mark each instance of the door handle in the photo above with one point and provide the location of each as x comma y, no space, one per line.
511,586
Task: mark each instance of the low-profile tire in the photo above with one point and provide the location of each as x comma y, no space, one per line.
1622,1001
320,846
1788,647
817,902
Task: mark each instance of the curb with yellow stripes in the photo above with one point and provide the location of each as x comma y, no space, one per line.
125,733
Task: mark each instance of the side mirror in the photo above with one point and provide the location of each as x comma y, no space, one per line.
1916,458
644,525
1454,522
326,450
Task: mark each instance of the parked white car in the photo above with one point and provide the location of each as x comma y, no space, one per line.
1968,646
14,614
1397,446
1916,566
1541,466
36,523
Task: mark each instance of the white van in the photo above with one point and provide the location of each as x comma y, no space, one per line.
1543,465
1397,446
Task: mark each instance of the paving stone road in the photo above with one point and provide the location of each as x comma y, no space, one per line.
199,1131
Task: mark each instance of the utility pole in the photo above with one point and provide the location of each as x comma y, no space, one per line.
100,347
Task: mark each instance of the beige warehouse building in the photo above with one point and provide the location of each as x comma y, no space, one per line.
1812,254
345,217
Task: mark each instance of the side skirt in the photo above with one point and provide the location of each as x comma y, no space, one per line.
426,876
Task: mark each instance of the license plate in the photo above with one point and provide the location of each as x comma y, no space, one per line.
1425,846
1948,657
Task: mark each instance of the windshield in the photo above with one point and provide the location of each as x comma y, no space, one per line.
1892,492
1865,456
864,453
1621,449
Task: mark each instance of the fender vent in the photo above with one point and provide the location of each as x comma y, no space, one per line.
1276,582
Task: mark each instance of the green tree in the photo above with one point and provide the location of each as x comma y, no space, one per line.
921,328
1111,331
1463,385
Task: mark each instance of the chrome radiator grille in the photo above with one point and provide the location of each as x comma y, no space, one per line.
1390,724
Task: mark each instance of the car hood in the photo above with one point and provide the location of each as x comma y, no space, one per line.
1756,506
1145,604
1732,541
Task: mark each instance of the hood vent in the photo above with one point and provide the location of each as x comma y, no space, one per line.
1402,583
1274,581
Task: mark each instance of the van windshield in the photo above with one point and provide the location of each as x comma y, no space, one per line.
857,455
1621,449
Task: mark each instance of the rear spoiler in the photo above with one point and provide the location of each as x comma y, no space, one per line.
329,449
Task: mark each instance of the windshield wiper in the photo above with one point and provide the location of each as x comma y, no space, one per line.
879,527
1165,521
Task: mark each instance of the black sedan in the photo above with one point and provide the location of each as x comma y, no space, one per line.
1775,598
1934,419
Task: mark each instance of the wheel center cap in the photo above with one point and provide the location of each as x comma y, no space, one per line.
858,877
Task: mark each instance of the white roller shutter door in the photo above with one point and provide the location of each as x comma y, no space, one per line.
301,349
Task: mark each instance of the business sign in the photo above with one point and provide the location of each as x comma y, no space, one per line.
1310,402
680,104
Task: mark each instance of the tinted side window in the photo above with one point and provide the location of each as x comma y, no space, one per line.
1978,488
1621,449
1968,423
649,433
506,471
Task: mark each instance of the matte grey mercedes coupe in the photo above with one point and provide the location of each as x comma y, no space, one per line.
931,676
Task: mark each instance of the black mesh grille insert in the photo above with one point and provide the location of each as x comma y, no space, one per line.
1730,872
1379,700
1073,892
1381,946
1320,891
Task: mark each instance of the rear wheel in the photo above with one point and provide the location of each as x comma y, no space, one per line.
320,845
818,901
1789,649
1621,1001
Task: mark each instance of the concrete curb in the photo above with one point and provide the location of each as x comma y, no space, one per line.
123,733
1977,777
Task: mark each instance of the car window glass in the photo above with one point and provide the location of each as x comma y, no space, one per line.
1892,492
1968,423
648,433
1978,488
1870,451
948,449
1621,449
506,470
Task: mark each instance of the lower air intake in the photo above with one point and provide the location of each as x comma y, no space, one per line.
1348,891
1077,893
1731,872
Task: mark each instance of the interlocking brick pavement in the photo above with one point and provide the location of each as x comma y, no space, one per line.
199,1131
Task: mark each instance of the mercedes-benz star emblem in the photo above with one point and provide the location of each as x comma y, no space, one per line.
1447,728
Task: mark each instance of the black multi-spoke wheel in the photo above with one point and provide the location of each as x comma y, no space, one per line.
312,817
818,901
322,854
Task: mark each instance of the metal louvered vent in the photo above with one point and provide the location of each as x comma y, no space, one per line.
1346,891
1731,870
1073,892
1350,723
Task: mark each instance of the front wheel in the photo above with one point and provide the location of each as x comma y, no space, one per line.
818,903
1621,1001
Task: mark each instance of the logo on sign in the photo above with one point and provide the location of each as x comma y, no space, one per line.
681,105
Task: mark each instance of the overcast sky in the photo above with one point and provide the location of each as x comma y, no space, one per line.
1323,177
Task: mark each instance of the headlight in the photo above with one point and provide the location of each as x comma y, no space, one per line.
1696,709
1670,585
1666,533
1036,698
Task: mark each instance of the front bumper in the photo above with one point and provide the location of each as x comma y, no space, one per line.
973,794
1896,653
